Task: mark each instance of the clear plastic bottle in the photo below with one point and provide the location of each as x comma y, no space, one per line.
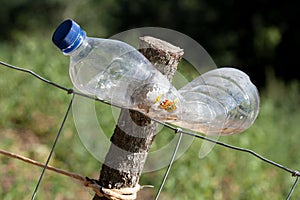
220,101
113,71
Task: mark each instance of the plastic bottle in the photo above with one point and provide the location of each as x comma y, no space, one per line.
113,70
228,101
116,72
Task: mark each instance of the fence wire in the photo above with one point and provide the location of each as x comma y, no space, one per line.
293,173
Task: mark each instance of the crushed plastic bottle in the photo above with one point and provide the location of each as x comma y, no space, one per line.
222,101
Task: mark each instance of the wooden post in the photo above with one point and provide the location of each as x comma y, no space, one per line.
134,132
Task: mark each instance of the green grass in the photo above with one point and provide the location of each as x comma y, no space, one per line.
31,113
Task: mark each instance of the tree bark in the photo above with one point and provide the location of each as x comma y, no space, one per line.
134,132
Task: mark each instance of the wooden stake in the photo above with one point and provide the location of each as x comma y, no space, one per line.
134,132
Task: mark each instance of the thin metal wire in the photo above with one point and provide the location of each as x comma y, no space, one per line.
293,172
35,75
293,188
71,91
170,164
52,149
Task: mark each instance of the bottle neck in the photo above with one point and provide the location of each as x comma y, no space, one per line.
82,46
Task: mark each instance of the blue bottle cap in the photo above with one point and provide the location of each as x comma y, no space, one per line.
68,36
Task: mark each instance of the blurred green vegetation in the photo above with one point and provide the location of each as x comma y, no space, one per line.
31,111
252,35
